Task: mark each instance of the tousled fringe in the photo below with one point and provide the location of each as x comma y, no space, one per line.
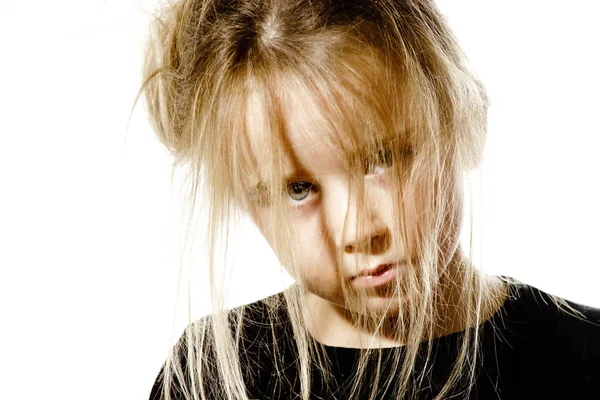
367,66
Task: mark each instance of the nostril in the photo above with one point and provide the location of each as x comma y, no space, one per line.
379,243
376,244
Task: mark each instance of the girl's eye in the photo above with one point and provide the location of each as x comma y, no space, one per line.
299,191
383,159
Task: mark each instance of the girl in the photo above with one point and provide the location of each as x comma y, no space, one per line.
343,129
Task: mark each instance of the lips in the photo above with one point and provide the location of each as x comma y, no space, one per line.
378,276
378,270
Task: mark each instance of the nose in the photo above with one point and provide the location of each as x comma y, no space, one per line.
375,242
364,230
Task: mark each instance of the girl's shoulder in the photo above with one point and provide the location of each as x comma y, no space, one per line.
543,345
255,327
540,312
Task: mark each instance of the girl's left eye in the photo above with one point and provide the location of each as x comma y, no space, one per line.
378,162
299,191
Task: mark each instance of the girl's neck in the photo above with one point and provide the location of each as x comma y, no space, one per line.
331,325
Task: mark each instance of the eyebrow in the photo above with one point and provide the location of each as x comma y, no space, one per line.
259,193
261,186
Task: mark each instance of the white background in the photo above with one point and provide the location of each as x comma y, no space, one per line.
90,224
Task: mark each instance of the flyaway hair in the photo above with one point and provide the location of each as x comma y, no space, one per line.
388,80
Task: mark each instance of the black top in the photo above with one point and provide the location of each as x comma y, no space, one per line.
530,349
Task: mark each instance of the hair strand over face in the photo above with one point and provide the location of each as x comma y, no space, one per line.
380,71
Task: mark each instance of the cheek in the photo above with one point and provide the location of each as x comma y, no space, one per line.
316,261
406,217
441,213
313,253
416,220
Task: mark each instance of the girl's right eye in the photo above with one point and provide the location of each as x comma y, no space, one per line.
299,191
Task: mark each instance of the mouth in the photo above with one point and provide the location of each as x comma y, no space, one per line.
378,276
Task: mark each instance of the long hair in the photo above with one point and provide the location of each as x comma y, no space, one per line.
385,76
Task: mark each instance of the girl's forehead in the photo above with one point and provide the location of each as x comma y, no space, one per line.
303,140
309,128
299,132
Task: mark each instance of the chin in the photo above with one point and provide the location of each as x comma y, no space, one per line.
383,302
374,306
383,306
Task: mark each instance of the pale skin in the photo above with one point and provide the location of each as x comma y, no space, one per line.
320,201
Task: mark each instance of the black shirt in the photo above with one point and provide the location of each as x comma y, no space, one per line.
530,349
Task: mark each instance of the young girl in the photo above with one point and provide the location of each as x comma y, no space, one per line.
343,130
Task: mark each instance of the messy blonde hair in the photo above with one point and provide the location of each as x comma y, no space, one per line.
369,66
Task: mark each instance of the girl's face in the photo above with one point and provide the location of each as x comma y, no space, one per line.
322,201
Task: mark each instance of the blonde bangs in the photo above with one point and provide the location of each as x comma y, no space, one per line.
374,85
